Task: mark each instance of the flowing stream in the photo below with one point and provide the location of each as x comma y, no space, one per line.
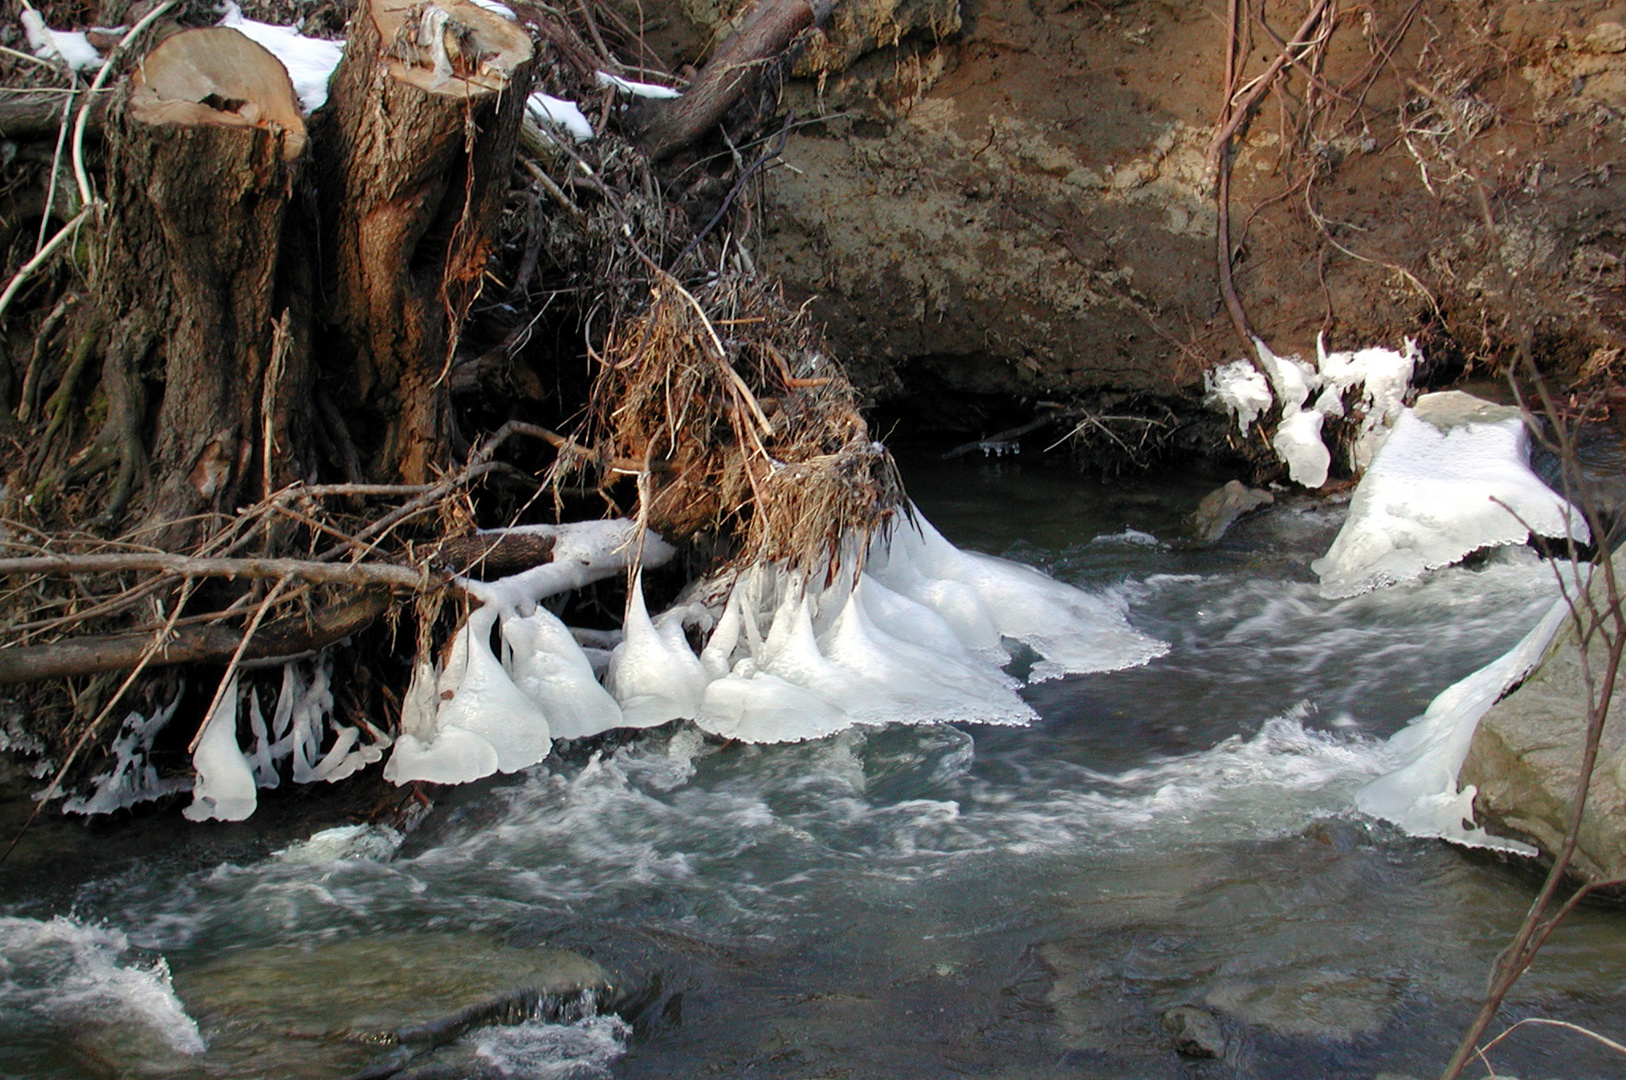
888,902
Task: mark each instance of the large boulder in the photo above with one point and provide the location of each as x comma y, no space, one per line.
1526,755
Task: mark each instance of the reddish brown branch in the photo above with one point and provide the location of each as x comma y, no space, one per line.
730,74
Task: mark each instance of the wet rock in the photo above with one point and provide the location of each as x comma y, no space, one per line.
1221,507
374,1006
1318,1005
1195,1032
1525,756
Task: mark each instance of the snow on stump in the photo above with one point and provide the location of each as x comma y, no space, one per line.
1453,477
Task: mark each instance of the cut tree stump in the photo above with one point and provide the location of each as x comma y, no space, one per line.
204,156
426,110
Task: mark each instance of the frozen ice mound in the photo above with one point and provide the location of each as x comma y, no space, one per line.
478,714
918,636
1452,477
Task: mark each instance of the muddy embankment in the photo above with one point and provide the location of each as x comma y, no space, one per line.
1000,203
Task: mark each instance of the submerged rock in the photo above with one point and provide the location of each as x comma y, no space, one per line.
1196,1032
1525,758
1221,508
373,1005
1324,1005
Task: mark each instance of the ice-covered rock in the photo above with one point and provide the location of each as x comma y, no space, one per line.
1420,793
1522,765
1453,477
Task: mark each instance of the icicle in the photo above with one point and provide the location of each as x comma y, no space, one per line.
551,669
225,787
653,673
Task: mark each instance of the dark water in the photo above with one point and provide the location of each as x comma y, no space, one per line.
896,902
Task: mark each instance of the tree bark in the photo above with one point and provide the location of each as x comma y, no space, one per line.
204,156
416,153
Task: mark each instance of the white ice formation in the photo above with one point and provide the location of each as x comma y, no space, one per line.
133,778
478,714
1453,477
302,731
919,636
1371,382
1419,793
310,61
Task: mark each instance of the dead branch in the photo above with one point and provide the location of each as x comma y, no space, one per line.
193,644
23,116
316,573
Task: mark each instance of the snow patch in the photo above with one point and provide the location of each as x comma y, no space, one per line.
545,109
310,61
653,91
1452,477
72,47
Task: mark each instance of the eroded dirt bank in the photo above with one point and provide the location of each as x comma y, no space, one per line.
1014,200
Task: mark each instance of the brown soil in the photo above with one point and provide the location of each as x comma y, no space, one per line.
1025,210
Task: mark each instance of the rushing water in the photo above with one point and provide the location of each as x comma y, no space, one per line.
895,902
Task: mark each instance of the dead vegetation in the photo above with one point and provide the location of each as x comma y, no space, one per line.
573,332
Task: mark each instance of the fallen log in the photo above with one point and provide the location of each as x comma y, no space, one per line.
481,555
24,116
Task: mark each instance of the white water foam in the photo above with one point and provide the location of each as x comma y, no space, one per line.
536,1050
74,973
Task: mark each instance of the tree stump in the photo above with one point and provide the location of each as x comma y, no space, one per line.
204,156
426,111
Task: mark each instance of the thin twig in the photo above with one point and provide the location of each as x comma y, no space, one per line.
152,650
86,195
40,258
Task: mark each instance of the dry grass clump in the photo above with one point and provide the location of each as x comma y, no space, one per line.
738,426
